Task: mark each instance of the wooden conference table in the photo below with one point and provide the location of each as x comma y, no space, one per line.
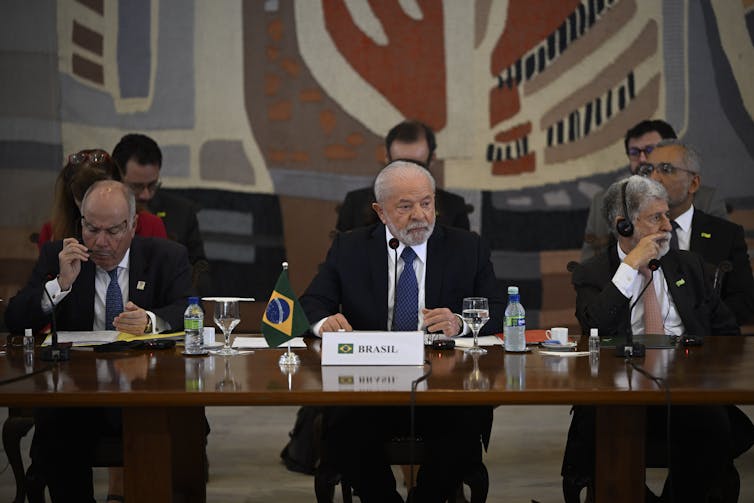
163,396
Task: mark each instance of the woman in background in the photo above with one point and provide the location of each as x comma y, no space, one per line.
79,173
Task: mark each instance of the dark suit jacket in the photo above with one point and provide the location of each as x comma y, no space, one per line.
161,264
354,278
356,210
179,216
716,240
599,304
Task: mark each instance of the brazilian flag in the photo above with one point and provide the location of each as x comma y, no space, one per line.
284,317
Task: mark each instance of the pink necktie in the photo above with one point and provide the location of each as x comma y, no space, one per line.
652,316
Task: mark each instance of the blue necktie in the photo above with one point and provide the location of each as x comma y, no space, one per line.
113,300
674,236
406,312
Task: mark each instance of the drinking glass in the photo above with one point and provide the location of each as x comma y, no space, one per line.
476,312
226,317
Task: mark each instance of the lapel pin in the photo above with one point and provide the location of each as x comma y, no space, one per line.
140,285
680,282
706,235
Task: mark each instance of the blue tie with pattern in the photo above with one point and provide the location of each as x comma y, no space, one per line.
113,300
406,312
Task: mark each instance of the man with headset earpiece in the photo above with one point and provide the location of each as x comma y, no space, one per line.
678,301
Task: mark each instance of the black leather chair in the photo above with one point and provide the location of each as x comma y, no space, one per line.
398,453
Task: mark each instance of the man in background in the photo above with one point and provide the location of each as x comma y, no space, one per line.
678,168
639,142
140,158
412,141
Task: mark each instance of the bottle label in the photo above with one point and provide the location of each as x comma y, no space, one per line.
193,324
515,321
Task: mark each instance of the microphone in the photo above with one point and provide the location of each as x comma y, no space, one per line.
723,267
393,244
54,352
631,348
572,266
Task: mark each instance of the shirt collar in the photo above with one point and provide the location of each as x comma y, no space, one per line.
123,264
420,249
684,219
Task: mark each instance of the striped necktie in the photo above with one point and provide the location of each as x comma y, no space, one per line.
113,300
406,311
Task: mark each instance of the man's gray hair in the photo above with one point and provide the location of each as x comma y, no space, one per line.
639,191
692,160
128,195
397,169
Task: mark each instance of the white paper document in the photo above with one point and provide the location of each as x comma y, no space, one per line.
486,340
85,338
261,343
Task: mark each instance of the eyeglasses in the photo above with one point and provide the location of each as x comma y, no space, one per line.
665,168
138,188
636,151
93,156
114,231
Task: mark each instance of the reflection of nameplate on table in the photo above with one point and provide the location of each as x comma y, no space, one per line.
360,378
373,348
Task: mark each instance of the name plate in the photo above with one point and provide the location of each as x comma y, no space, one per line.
361,378
373,348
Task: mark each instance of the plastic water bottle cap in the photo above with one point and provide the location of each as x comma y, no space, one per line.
193,300
512,290
593,331
27,332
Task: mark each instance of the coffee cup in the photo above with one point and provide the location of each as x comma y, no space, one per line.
559,334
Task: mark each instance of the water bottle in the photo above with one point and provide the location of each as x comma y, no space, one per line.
594,341
28,340
193,327
514,325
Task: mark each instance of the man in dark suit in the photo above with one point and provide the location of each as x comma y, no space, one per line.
140,159
413,141
111,281
353,290
678,168
678,301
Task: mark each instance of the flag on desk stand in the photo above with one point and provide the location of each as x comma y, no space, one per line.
284,317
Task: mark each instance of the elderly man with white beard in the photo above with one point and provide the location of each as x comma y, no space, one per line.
355,290
678,300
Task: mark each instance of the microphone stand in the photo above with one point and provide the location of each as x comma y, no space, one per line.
633,349
54,352
393,244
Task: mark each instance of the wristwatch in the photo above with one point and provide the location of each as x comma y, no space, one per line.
148,328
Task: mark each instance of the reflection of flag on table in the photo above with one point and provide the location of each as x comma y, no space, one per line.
284,317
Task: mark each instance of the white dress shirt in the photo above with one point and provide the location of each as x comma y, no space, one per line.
630,283
684,228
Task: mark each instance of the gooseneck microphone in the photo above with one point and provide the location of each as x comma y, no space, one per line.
54,352
393,244
631,348
722,269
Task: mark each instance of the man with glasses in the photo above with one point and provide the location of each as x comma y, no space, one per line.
704,440
639,142
410,141
140,158
677,167
114,280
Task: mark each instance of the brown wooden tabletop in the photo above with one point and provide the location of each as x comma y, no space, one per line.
161,389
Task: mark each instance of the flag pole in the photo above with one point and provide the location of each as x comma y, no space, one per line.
289,359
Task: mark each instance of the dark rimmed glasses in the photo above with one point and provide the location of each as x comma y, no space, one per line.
664,168
636,151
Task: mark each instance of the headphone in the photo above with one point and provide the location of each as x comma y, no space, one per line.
624,227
